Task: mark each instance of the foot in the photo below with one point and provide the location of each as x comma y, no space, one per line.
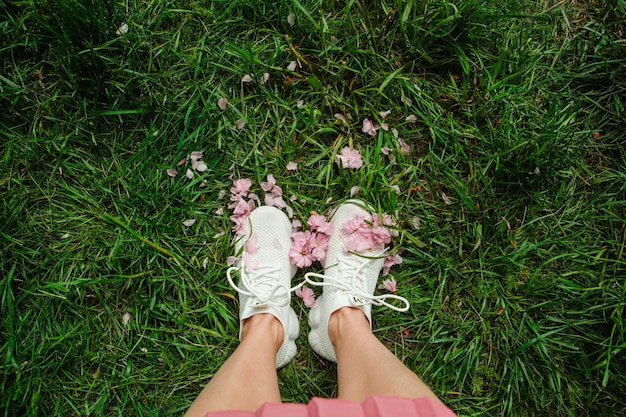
265,275
349,278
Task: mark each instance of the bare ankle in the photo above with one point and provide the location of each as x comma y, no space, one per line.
263,325
343,319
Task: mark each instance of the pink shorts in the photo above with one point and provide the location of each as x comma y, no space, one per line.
374,406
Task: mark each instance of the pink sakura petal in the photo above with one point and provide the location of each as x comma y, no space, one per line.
249,261
369,128
264,78
252,244
354,190
246,79
350,159
385,150
241,186
222,103
411,118
404,147
318,243
239,124
341,117
189,174
293,198
205,262
395,132
384,114
390,285
242,208
277,244
195,155
255,198
218,235
292,66
171,172
289,211
396,188
354,224
278,202
407,100
201,166
292,166
189,222
268,185
295,226
328,200
300,104
232,260
319,223
219,211
221,195
307,295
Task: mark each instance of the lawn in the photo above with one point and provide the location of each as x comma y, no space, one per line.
510,198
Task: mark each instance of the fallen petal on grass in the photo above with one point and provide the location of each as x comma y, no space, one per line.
189,222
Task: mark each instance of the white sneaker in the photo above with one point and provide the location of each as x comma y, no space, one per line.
349,280
265,274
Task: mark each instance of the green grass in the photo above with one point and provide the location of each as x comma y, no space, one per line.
517,292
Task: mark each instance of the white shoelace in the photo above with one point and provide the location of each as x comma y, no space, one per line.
261,284
355,287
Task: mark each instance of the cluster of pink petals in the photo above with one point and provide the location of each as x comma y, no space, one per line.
311,245
307,247
239,205
366,233
350,159
274,195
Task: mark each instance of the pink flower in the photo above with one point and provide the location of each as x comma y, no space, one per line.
390,285
295,226
299,253
350,159
241,186
307,295
318,243
317,222
292,166
366,233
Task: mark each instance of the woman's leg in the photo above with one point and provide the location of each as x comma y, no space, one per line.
364,365
248,378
